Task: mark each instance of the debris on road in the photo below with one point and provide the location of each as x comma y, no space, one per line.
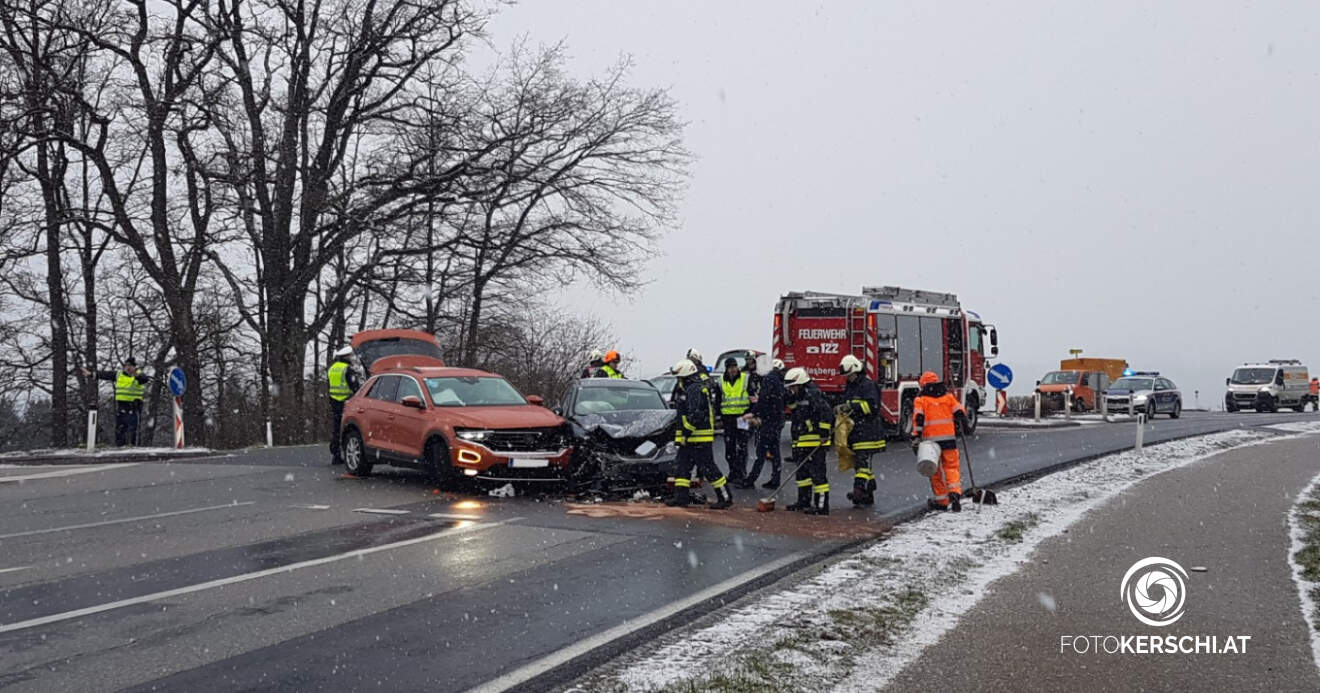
505,491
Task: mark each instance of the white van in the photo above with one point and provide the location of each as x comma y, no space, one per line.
1269,386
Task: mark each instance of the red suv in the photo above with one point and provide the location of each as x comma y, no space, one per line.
453,422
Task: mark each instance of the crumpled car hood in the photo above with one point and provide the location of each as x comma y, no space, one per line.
640,423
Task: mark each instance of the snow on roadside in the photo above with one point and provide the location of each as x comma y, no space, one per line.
1295,426
1304,529
102,452
856,623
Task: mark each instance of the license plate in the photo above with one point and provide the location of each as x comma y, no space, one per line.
528,463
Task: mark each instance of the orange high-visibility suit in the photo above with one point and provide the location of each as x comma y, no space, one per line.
933,415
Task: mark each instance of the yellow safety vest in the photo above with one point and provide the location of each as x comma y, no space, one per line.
735,401
127,388
609,371
338,374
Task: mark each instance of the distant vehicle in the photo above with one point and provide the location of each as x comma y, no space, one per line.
741,355
1144,392
452,423
381,350
623,434
1086,388
665,383
898,334
1113,368
1265,387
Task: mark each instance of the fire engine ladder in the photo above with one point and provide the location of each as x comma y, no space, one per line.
857,333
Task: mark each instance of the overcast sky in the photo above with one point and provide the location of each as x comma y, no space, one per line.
1134,179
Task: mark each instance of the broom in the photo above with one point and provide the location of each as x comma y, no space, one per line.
766,505
978,495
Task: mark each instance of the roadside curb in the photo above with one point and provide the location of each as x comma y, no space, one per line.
144,456
996,423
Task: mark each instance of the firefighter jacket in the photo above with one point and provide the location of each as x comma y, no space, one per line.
813,420
770,401
736,398
696,415
936,414
863,399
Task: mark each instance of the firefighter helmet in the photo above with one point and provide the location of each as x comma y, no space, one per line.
777,365
850,364
343,351
595,355
684,369
797,376
693,355
928,378
611,356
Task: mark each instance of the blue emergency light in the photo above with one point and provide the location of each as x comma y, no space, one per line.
1127,372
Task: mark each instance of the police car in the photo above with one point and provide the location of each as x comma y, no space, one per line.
1144,392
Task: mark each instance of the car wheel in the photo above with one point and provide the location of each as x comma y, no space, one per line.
438,463
355,454
973,414
1299,408
1079,405
1177,409
1230,405
1150,411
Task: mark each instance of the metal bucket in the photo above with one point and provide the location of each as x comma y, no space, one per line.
928,458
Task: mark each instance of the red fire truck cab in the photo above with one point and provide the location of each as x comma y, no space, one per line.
899,334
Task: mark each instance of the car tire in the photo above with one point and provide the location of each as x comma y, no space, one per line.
1299,408
1229,405
1150,411
355,454
1177,409
1079,405
438,464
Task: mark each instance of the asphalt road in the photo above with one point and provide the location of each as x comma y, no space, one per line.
265,570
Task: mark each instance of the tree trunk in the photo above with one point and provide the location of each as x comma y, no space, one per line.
59,318
474,323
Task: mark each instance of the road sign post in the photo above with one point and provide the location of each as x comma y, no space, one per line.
178,385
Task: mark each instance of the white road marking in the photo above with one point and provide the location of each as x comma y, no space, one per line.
526,673
312,507
66,472
14,570
380,511
454,516
121,521
245,577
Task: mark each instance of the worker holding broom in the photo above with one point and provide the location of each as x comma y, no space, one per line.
861,402
695,437
813,420
938,416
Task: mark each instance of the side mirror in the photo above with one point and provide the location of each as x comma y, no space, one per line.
557,411
535,400
1228,381
412,402
1037,383
994,338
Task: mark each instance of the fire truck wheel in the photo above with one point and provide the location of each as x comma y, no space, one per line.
973,413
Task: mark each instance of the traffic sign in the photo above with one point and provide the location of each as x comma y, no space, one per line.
178,381
999,376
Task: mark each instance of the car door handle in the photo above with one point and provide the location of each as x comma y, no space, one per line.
360,410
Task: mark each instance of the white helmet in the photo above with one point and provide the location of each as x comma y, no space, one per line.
777,365
797,376
850,364
343,352
595,355
684,369
694,355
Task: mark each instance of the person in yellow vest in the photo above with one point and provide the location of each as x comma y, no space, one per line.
130,386
735,400
343,383
610,366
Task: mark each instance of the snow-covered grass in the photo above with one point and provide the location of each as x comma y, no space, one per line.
857,621
103,452
1304,528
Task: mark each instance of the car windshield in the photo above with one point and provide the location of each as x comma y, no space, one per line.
1253,376
1134,384
1060,378
473,391
664,383
370,352
597,400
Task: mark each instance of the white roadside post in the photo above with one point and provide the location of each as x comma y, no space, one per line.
1068,403
270,435
1104,405
91,429
1037,403
1141,430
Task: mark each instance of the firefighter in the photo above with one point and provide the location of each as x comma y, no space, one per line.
769,412
695,438
813,420
938,416
594,361
343,383
735,400
861,401
130,386
610,365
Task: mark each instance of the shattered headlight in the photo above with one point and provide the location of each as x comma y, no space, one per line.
671,448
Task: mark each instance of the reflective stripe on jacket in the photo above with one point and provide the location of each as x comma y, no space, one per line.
736,400
813,419
338,374
127,388
696,415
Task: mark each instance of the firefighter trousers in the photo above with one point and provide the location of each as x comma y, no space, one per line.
948,479
811,476
767,447
701,457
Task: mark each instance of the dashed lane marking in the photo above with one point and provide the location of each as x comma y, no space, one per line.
66,472
381,511
123,520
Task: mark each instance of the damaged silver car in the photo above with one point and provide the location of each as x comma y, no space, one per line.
623,435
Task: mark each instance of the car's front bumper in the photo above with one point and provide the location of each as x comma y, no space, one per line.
474,460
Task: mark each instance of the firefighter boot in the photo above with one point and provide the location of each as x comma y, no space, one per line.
682,498
723,498
932,504
861,495
803,501
820,504
955,503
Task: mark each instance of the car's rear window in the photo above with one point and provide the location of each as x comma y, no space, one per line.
474,391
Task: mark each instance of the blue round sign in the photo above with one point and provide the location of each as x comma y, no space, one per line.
999,376
178,381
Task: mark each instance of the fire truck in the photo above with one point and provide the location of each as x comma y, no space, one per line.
898,334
